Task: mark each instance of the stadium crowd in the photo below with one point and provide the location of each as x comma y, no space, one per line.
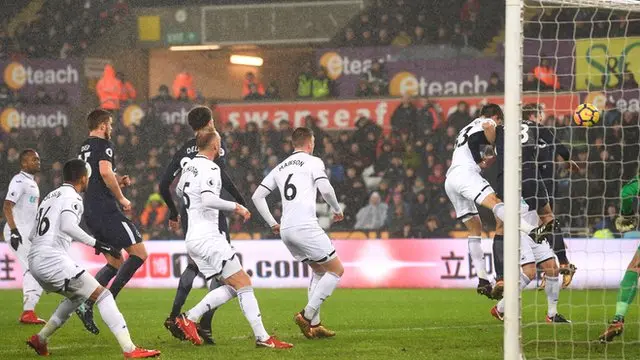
387,180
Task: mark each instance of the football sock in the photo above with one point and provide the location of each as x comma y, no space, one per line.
114,320
31,292
251,311
477,256
312,286
525,226
559,246
552,288
626,293
212,300
498,255
60,316
125,273
524,281
105,274
205,320
327,283
184,287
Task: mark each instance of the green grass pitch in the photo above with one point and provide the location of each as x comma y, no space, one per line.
370,324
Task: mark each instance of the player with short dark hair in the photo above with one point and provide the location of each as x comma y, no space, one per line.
56,226
539,148
104,218
199,118
19,208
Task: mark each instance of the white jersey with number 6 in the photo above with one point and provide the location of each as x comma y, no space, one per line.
462,155
296,178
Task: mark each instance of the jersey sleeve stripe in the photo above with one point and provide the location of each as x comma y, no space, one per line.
321,177
480,193
265,187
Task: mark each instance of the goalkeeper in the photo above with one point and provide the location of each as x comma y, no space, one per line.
627,221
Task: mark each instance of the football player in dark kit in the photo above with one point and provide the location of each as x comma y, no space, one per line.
199,118
103,204
539,148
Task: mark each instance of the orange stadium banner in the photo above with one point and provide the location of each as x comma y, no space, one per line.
342,114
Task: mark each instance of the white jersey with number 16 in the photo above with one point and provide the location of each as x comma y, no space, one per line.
296,178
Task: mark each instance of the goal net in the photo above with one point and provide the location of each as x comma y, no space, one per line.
574,52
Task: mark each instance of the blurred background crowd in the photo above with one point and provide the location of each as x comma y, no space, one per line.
388,180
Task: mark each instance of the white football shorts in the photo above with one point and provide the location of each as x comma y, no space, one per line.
308,243
466,188
215,258
63,276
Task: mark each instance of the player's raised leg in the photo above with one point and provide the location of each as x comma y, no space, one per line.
626,295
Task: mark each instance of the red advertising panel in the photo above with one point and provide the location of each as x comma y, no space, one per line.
342,114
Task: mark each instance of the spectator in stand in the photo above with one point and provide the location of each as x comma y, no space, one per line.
322,86
374,215
530,83
184,80
273,91
428,118
254,94
495,84
442,38
546,75
163,94
350,38
378,75
364,90
419,208
61,97
460,118
404,117
438,175
402,39
458,38
42,98
419,36
183,95
629,81
367,38
384,38
430,230
247,88
127,91
5,96
394,173
305,80
155,212
108,89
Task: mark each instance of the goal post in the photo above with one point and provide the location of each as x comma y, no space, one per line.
590,46
512,100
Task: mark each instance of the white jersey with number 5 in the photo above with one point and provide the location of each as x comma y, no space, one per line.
47,240
200,175
296,178
462,155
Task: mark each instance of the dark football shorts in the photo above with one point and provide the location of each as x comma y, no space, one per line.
114,229
534,191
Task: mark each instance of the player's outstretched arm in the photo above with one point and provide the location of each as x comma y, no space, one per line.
259,199
329,196
231,187
110,179
69,226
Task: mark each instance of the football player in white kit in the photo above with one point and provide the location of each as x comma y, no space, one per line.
55,227
200,186
466,187
20,206
299,178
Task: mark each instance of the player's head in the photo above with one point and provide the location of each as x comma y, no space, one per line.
200,117
532,112
492,111
76,172
99,122
208,142
29,161
303,140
